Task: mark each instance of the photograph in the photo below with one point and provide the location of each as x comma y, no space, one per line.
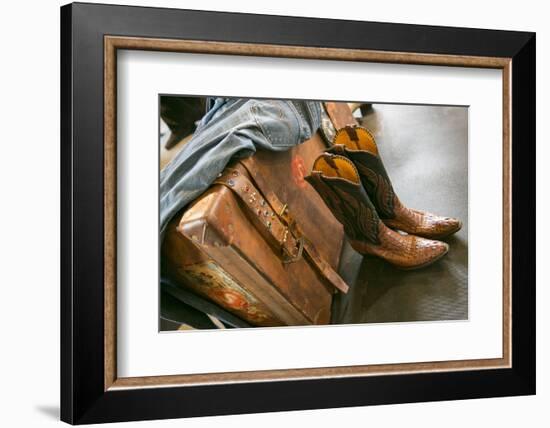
289,212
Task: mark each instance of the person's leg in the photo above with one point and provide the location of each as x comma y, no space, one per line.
234,128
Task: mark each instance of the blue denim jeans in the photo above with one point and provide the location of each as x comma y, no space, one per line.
232,128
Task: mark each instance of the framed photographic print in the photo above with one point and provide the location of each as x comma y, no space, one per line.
265,213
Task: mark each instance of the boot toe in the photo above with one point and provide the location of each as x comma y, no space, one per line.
446,226
424,224
439,227
426,252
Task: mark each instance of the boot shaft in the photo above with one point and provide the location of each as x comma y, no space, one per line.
337,181
358,145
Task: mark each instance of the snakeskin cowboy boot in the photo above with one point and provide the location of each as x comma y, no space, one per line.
357,144
337,181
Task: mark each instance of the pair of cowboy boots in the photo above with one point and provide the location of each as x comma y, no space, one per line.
351,179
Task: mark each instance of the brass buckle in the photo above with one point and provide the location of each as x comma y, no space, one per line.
289,257
285,216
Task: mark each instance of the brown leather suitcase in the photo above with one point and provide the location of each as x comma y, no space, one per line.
226,246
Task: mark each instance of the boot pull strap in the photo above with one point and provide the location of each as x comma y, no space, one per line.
352,133
356,138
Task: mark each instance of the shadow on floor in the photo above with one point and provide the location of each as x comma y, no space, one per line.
50,411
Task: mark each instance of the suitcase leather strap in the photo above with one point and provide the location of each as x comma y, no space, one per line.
322,266
278,225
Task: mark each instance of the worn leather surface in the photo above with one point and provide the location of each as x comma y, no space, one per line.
222,232
273,219
283,174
